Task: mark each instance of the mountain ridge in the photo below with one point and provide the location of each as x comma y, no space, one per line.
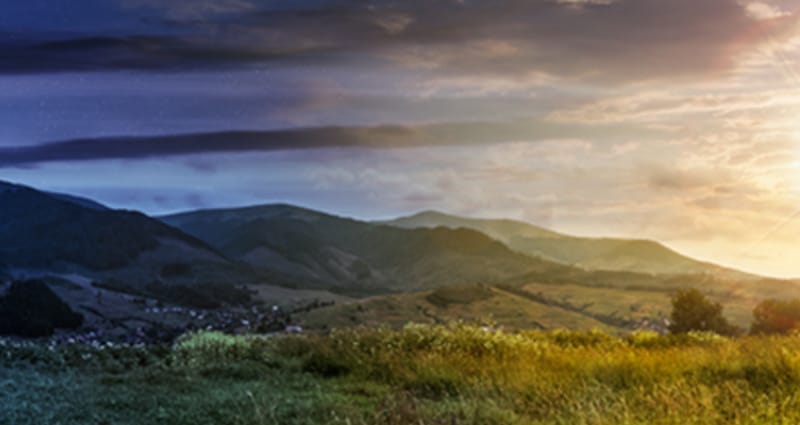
593,253
363,254
50,234
364,272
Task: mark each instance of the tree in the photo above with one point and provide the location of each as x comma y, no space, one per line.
693,311
32,309
776,316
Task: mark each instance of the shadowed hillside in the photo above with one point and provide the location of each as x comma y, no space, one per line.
31,309
43,233
352,255
38,230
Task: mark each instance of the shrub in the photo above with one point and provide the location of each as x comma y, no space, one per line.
210,349
693,311
32,309
776,316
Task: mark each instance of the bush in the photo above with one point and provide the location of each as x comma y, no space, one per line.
776,317
210,349
32,309
693,311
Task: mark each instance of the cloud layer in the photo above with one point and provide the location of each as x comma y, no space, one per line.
613,41
387,136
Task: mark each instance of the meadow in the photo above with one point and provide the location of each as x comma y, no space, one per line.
421,374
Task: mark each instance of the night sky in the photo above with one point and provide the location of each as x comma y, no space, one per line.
667,119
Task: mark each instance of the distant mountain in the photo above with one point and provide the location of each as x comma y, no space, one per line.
500,229
84,202
428,267
353,256
43,233
615,254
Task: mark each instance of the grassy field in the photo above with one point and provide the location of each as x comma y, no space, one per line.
454,303
454,374
614,302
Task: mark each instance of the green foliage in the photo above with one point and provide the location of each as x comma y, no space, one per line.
216,349
419,374
693,311
776,316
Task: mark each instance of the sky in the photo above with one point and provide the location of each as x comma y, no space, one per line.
674,120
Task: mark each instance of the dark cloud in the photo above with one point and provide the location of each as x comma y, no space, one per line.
443,134
617,40
162,53
620,40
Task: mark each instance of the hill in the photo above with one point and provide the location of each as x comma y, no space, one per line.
470,303
51,234
579,300
115,266
353,256
616,254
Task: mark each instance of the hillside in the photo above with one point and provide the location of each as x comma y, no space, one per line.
613,254
354,256
114,266
470,303
52,234
573,299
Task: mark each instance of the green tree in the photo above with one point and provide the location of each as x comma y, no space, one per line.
693,311
776,316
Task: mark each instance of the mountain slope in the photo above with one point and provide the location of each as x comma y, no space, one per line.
351,255
84,202
41,230
42,233
614,254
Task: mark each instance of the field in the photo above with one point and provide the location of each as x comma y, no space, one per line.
421,374
454,303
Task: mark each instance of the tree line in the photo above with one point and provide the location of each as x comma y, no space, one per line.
693,311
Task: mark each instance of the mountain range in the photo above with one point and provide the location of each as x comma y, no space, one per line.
43,233
324,251
409,269
634,255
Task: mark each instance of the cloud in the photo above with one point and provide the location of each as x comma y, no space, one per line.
612,41
619,40
660,178
192,9
103,53
385,136
663,107
760,10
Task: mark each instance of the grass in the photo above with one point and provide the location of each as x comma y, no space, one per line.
617,307
419,374
456,303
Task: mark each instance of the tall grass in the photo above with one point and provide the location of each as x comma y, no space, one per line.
453,374
568,377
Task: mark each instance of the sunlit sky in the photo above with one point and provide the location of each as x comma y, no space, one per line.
676,120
